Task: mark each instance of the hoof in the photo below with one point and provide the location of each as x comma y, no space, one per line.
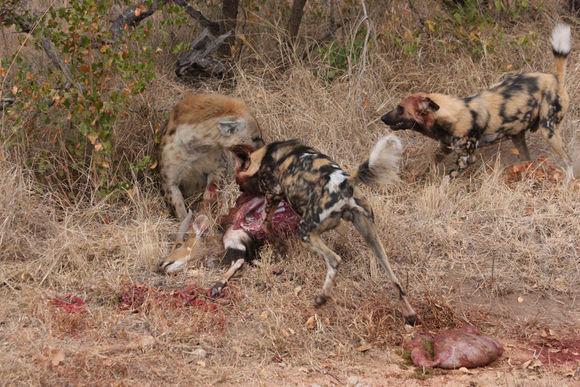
216,289
320,300
411,320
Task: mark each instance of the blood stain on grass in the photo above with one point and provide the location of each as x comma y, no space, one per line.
69,303
137,297
557,351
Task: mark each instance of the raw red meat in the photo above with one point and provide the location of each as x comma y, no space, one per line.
69,303
249,214
455,348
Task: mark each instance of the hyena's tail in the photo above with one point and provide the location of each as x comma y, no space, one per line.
561,46
382,167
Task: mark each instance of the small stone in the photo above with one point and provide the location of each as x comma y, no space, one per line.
277,270
200,352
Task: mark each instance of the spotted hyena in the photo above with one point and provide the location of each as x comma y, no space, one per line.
200,130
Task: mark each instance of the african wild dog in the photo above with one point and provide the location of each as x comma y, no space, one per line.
323,194
200,129
519,103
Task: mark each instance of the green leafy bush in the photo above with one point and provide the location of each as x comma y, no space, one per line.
67,129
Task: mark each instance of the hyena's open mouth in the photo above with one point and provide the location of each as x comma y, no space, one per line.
242,153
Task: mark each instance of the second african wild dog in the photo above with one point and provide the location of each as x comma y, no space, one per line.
200,129
520,103
323,194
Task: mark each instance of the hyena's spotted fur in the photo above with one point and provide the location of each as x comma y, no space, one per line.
519,103
193,149
323,194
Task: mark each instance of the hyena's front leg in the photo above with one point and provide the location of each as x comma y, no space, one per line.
210,196
465,148
177,202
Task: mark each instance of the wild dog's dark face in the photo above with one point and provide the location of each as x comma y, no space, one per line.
414,112
250,171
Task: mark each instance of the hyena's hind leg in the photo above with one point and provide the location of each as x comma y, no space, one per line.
367,228
519,141
332,260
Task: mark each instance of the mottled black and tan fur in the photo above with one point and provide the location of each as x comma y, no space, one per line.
518,104
323,194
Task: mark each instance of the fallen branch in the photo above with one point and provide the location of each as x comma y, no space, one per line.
212,27
5,102
134,15
198,61
25,23
50,51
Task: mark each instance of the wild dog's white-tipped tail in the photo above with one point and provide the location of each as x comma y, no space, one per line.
382,167
561,46
561,39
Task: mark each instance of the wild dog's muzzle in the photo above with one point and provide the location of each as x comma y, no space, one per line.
396,122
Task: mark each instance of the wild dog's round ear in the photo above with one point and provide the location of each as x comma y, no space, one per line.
230,125
426,105
432,105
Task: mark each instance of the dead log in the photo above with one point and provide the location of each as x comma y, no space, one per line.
134,15
25,23
229,24
212,27
201,60
5,102
295,18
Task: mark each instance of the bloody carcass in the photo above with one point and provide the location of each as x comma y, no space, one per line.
454,348
245,229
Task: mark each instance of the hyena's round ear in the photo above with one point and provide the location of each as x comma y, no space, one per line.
229,126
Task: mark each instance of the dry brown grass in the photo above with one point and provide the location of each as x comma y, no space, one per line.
466,249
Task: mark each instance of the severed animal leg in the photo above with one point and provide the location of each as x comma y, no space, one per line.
217,288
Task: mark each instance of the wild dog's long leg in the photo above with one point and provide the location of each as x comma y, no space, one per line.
441,153
332,262
177,202
367,228
551,115
519,141
464,148
555,141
